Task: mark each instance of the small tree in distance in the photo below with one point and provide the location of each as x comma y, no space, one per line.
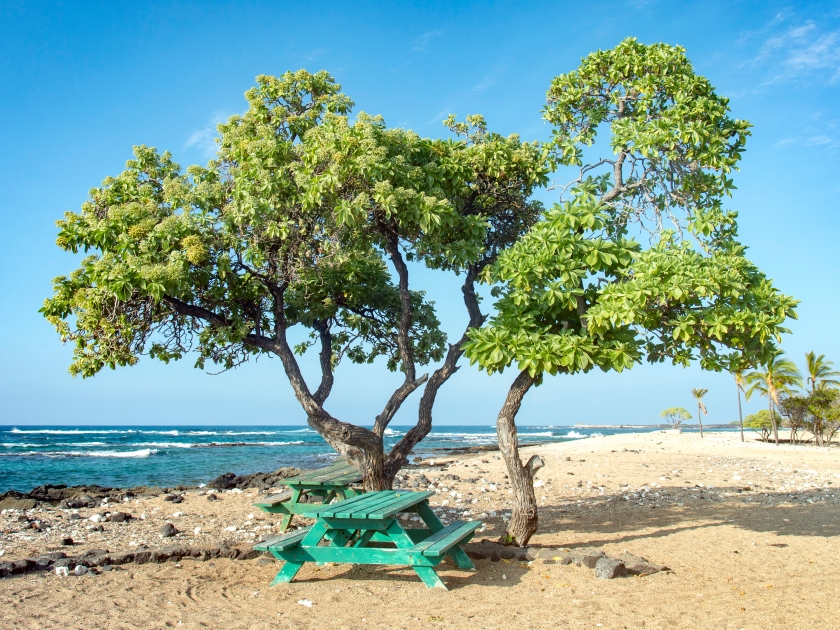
698,393
675,416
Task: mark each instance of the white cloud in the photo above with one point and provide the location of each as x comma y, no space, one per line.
420,42
484,85
440,116
803,51
204,140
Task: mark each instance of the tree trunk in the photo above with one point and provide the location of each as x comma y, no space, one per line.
700,418
773,423
398,456
740,414
523,520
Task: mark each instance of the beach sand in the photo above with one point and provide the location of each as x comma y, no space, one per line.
750,533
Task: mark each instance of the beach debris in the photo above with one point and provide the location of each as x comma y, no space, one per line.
80,569
609,568
305,602
67,540
168,530
212,497
62,571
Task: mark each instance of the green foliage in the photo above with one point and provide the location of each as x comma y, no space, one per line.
820,372
817,411
776,376
760,422
579,290
671,134
675,416
219,257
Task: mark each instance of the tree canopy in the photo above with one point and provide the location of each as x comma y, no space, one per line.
639,260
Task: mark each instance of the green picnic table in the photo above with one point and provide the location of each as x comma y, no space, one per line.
318,486
343,532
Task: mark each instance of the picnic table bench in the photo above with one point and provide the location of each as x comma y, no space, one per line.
343,532
311,490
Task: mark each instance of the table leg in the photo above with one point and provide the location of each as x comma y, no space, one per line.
403,541
290,567
287,573
284,522
458,555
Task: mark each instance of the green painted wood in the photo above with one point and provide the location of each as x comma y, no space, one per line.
375,505
354,523
365,538
327,511
284,541
415,533
274,499
338,537
345,509
316,533
439,543
356,555
287,573
363,518
400,501
364,509
458,555
403,541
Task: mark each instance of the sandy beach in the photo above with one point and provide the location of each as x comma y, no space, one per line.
750,534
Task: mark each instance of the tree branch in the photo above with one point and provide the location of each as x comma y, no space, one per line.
399,453
324,389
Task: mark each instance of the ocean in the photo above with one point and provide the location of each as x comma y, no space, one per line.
126,456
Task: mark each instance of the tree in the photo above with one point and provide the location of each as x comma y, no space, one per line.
675,416
820,374
701,408
824,407
817,411
578,291
761,422
820,377
739,385
777,377
291,226
287,227
795,409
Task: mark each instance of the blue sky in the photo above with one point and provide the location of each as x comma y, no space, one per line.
83,82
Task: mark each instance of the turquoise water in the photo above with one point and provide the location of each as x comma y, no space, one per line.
125,456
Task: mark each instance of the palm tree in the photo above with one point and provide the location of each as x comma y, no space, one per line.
778,377
739,384
701,408
820,374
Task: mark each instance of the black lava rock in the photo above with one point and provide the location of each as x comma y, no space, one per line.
168,530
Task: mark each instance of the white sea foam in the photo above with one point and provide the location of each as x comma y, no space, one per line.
65,431
392,432
164,444
574,434
143,452
19,445
539,434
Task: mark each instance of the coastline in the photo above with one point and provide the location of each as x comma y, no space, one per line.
749,532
